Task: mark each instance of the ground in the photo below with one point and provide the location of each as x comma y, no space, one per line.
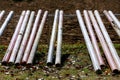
76,63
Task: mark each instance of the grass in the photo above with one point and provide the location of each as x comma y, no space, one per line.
76,65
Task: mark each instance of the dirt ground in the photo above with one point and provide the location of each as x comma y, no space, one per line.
69,6
71,28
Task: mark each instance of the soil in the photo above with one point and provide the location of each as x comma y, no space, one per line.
71,30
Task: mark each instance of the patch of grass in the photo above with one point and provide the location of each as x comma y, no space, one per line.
2,51
76,64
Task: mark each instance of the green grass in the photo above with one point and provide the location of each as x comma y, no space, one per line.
76,65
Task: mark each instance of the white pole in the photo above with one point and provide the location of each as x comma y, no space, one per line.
59,39
103,43
25,38
2,14
108,40
112,22
88,43
19,39
116,21
32,37
37,38
4,25
52,40
93,38
13,40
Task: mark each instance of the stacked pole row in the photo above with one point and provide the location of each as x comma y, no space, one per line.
5,23
27,34
91,42
25,39
58,22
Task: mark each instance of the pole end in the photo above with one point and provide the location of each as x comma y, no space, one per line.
49,63
99,71
4,63
115,71
58,65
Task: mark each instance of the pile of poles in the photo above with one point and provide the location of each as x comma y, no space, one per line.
58,22
5,23
24,42
25,39
113,21
93,22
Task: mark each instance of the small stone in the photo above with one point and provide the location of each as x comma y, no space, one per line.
68,67
46,68
99,78
7,73
41,79
53,77
0,63
6,67
82,76
46,74
27,78
24,68
73,76
83,72
77,67
49,69
104,78
37,68
44,71
21,72
73,62
53,69
31,69
109,74
56,72
60,77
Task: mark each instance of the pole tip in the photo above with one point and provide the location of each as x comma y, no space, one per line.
23,63
99,71
103,66
49,64
115,71
17,64
4,63
58,65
